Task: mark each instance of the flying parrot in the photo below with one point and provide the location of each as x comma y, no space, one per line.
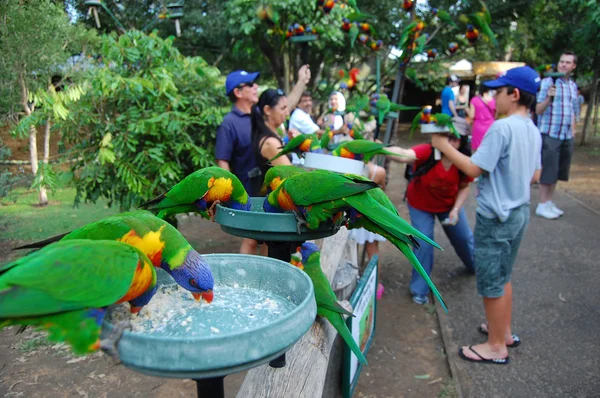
200,192
344,193
300,144
353,34
65,288
385,106
363,150
162,243
276,174
444,17
327,304
443,120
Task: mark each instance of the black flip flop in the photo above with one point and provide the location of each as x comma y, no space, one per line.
516,339
495,361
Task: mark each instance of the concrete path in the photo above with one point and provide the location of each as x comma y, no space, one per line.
556,310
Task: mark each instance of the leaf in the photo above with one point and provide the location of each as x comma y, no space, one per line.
423,377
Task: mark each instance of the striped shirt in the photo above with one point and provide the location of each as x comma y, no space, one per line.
557,119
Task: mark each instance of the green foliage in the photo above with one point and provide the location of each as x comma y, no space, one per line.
147,118
45,177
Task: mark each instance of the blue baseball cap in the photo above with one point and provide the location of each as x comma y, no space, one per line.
238,77
524,78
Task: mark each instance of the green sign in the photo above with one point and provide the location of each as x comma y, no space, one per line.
362,325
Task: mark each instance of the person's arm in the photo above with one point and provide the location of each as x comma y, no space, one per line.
471,111
270,148
452,107
407,155
223,164
544,98
461,161
296,93
536,177
461,197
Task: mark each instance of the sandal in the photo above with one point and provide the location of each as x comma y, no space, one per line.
495,361
516,339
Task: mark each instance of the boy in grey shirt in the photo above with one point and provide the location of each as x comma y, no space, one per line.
508,161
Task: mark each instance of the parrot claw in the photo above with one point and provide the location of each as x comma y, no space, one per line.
109,344
299,222
211,210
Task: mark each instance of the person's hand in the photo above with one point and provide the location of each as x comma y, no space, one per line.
552,91
293,133
440,141
304,74
343,129
452,218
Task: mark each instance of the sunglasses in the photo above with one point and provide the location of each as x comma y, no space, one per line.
247,84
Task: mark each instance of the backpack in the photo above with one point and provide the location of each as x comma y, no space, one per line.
410,172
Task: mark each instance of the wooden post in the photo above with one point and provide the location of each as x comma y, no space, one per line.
305,373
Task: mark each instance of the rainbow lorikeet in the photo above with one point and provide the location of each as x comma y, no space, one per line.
403,242
65,288
354,131
363,150
385,106
300,144
443,120
161,242
358,103
444,16
327,305
276,174
200,192
353,34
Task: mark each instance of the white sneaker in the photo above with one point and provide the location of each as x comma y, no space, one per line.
545,210
556,209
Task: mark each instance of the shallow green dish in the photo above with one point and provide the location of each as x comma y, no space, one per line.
258,225
222,354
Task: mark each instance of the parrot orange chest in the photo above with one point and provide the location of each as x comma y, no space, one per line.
150,244
347,154
142,279
285,201
305,146
218,189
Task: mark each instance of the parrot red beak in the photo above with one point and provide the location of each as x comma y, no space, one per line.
135,310
207,296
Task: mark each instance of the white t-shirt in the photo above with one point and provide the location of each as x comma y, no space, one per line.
302,122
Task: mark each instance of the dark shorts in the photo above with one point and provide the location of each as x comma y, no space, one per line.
496,247
556,159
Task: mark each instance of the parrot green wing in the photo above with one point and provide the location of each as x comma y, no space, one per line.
293,145
416,122
400,107
353,34
323,186
325,138
68,276
187,191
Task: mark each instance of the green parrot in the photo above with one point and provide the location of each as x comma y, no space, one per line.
200,192
300,144
485,13
326,137
405,35
276,174
480,21
162,243
443,120
327,304
352,3
359,17
353,34
416,122
445,17
65,288
363,150
420,44
385,106
411,74
358,103
348,194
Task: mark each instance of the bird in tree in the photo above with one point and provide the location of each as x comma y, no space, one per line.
327,304
162,243
353,34
444,17
472,34
200,192
299,145
420,43
65,288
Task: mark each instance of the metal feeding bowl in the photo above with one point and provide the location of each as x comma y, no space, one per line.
273,227
261,307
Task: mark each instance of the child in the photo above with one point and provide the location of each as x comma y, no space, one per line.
508,161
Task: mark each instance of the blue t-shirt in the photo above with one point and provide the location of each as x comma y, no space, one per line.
447,95
509,154
234,144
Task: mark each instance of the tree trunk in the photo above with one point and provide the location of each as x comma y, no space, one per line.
596,109
590,109
47,141
33,156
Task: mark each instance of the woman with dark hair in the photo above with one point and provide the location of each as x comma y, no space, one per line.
267,118
437,189
462,101
483,113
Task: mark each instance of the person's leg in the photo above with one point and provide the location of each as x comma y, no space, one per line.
264,250
248,246
461,238
550,166
424,222
564,166
546,192
372,248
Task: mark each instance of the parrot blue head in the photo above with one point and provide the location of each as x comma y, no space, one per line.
193,275
139,302
269,208
240,206
307,249
434,11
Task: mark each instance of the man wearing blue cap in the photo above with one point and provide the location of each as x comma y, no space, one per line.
234,136
508,161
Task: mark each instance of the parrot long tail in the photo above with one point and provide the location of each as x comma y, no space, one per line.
337,321
281,153
151,202
170,211
410,255
42,243
384,218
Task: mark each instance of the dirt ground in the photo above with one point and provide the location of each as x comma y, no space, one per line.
406,360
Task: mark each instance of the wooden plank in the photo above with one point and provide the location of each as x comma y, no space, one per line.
305,372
